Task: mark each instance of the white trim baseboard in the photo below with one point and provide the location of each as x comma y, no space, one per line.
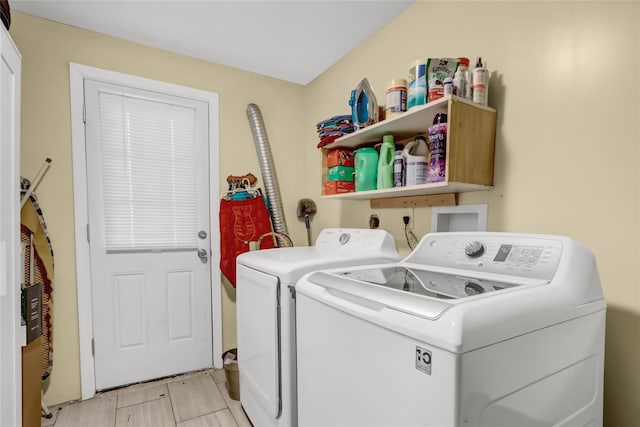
77,74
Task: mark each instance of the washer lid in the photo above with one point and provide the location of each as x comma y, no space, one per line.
375,297
417,291
424,282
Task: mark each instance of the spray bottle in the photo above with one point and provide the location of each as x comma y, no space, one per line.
480,78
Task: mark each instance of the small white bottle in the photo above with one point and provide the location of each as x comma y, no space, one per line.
480,79
448,86
459,82
464,69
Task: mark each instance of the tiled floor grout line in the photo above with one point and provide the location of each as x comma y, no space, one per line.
136,393
173,412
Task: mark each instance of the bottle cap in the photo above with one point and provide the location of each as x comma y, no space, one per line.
397,83
440,118
464,62
387,138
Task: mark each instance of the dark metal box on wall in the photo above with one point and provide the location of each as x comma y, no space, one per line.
32,310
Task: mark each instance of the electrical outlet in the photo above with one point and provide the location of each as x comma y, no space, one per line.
406,220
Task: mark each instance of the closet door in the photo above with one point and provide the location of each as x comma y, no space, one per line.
10,334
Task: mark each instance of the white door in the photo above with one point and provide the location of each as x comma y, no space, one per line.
149,237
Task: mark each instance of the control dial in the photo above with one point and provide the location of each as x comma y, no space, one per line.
474,249
471,289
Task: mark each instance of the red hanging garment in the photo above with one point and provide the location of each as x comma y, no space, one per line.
241,222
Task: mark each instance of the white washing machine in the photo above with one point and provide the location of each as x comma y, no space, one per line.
265,310
471,329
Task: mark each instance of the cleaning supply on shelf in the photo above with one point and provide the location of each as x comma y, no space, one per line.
366,169
417,85
396,98
385,163
398,168
459,82
448,86
340,157
437,149
415,155
338,187
463,68
480,79
438,69
340,171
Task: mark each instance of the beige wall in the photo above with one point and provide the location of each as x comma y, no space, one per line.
565,83
47,49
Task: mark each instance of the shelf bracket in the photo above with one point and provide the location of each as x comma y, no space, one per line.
448,199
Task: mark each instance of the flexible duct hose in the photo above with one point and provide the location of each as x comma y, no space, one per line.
269,176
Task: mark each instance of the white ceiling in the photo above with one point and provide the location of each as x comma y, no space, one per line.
294,40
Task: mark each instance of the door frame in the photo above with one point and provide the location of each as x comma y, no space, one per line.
77,74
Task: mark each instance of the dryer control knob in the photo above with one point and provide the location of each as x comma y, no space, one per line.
474,249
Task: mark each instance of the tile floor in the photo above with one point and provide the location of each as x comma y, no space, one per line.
198,399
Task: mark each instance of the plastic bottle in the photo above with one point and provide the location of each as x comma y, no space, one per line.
417,85
437,149
466,75
415,155
459,82
366,161
448,86
385,163
396,98
480,79
398,168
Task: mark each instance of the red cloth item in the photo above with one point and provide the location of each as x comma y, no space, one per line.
241,222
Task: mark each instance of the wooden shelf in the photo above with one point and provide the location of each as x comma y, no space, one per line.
414,190
413,122
471,134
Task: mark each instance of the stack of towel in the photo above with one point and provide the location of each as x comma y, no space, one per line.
331,129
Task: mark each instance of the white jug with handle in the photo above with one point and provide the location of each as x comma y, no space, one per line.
415,157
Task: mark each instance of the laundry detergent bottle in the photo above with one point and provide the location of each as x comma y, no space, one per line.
415,155
366,161
385,162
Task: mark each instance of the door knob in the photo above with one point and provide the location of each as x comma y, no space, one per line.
202,234
202,254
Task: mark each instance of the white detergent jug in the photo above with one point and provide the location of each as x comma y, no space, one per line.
415,156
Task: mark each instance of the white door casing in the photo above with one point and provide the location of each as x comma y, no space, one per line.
11,335
146,339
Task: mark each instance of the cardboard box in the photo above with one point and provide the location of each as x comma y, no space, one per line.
338,187
340,157
340,173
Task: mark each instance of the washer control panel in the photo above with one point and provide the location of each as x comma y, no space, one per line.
501,253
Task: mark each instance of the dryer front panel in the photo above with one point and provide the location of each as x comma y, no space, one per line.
258,317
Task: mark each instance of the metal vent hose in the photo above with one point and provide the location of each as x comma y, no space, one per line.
269,177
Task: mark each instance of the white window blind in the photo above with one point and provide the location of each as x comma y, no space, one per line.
148,173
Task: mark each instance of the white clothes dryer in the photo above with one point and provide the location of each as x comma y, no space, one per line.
471,329
265,312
